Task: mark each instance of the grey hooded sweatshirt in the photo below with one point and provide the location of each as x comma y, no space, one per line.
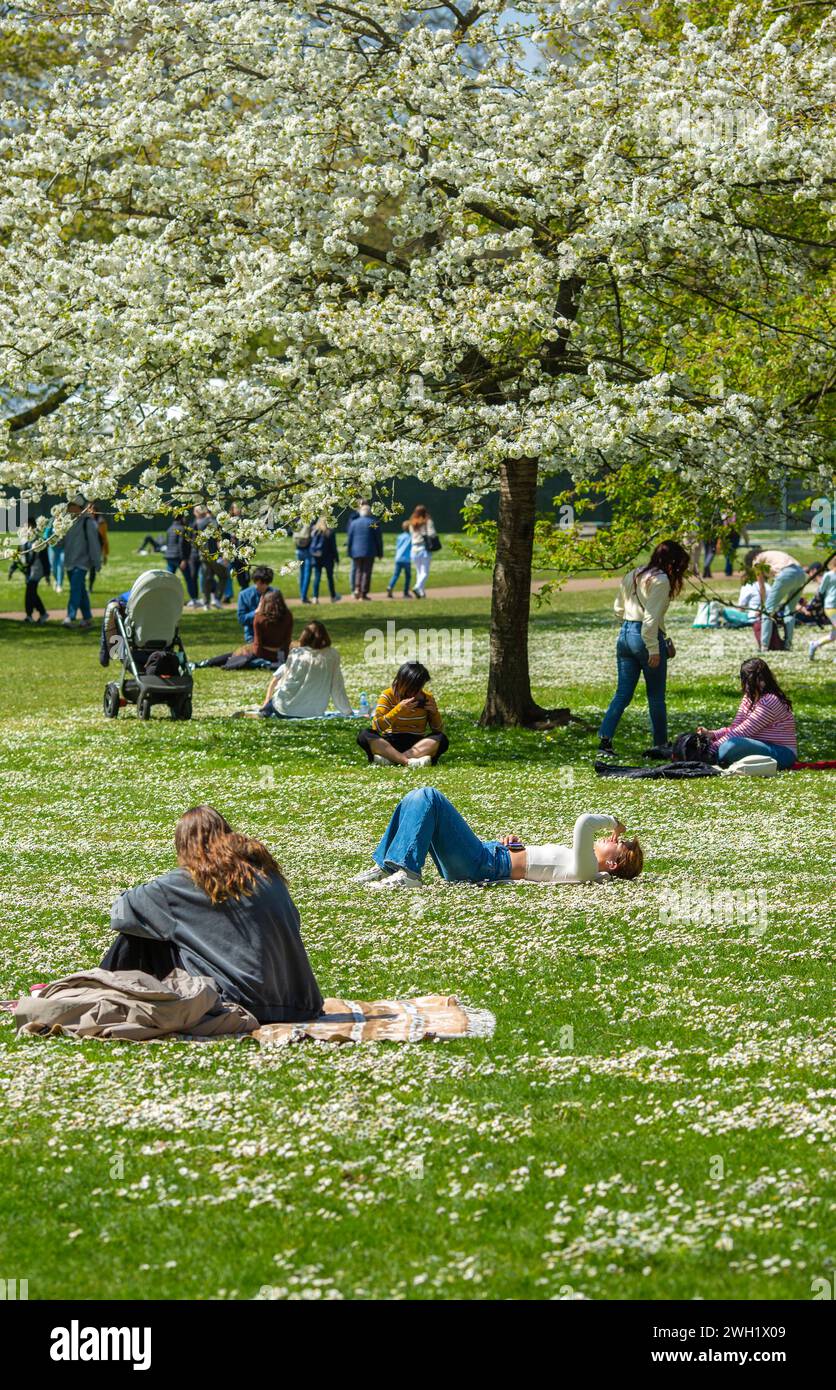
251,946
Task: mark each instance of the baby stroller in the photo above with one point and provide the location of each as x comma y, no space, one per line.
142,632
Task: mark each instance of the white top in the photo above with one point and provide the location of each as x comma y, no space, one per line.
644,599
565,864
309,680
420,533
749,597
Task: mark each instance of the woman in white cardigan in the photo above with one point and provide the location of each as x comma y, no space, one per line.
309,681
422,531
641,649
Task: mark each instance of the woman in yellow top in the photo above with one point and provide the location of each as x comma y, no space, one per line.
406,727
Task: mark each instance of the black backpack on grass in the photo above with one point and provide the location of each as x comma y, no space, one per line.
693,748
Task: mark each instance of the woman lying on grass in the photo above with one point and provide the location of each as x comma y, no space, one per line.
225,912
425,822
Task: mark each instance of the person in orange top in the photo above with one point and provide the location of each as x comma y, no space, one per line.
406,728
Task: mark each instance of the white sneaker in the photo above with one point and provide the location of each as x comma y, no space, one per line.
192,603
426,761
68,622
215,603
371,875
379,760
401,878
811,651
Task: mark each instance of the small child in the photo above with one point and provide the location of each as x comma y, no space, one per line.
403,565
399,732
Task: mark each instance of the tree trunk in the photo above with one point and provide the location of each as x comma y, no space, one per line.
509,699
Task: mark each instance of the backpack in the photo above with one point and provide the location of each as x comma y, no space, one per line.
693,748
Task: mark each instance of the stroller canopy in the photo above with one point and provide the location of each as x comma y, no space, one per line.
154,607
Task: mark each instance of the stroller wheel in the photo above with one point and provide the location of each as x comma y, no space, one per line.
143,706
111,700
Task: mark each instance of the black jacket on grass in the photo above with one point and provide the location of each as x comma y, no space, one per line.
251,946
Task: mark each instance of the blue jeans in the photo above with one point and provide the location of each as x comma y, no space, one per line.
79,597
632,662
731,750
56,563
189,576
425,822
328,566
305,567
787,582
402,567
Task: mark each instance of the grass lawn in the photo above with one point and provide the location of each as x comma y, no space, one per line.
651,1116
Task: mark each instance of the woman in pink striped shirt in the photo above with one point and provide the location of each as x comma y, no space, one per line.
764,723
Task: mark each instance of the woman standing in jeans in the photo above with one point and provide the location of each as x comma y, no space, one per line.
642,602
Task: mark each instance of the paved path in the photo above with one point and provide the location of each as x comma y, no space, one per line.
452,591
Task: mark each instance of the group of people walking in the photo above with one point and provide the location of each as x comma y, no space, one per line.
78,555
317,552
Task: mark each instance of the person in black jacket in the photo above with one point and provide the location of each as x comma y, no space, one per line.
225,912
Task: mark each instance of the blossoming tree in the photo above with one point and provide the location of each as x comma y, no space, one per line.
281,252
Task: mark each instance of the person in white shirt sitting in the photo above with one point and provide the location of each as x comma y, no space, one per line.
425,823
745,612
309,681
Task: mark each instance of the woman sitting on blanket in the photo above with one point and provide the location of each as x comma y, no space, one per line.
226,912
309,681
406,727
764,722
425,822
272,629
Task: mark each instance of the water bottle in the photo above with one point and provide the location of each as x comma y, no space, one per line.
364,707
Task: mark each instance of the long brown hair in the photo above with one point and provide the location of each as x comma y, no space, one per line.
757,679
221,862
314,635
272,605
672,560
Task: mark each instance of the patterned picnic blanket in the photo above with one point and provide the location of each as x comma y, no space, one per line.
429,1016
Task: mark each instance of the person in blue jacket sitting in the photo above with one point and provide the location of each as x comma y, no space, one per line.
403,564
250,598
365,545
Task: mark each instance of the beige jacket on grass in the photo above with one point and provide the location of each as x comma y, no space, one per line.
131,1006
